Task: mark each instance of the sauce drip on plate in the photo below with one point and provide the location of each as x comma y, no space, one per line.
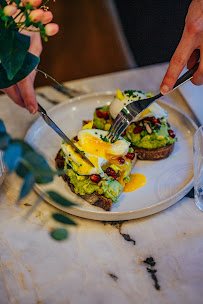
137,180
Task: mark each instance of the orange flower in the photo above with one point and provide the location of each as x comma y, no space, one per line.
36,15
48,16
51,29
10,10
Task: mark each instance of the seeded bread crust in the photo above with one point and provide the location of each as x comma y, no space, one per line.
154,154
94,198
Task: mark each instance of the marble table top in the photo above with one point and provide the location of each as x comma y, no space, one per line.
156,259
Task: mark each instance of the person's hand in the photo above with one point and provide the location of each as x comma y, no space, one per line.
22,93
189,49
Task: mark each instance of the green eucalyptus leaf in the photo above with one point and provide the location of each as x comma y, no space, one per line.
29,64
12,156
25,146
4,140
21,170
63,219
27,185
2,127
60,199
59,234
17,47
43,175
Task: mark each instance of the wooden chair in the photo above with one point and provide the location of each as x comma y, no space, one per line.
90,42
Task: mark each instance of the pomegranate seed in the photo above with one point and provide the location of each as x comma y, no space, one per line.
155,121
130,155
105,115
110,171
76,138
124,132
114,176
121,160
99,113
137,130
95,178
171,133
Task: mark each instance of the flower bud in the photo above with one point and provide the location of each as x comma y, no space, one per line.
35,3
48,16
10,10
51,29
36,15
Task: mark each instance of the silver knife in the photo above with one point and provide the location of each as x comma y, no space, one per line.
50,122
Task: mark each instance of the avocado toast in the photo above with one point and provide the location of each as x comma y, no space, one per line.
150,133
101,185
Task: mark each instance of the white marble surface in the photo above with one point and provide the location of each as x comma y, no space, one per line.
100,262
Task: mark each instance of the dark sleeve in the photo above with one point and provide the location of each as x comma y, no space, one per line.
153,28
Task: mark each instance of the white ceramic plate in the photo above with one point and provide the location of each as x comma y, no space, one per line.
168,180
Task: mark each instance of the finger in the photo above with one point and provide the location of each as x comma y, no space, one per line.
33,75
193,59
36,44
27,92
197,79
14,94
177,63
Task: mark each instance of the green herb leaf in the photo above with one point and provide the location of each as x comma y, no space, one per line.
59,234
104,138
12,156
27,186
60,199
4,140
63,219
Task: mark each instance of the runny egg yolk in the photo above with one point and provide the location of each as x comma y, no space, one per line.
96,146
137,180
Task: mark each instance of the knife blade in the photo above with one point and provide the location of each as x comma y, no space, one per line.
50,122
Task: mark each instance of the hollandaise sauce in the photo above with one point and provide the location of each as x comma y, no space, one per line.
137,180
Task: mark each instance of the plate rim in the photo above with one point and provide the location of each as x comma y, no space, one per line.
125,215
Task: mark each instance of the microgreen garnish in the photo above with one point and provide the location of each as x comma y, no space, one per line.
104,138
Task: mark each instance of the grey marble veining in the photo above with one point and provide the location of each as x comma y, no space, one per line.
101,262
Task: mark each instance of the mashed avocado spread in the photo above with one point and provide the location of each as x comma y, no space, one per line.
101,123
82,185
157,139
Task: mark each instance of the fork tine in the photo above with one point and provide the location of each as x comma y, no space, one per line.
111,130
119,131
114,125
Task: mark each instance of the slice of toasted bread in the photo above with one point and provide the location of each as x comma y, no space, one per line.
154,154
94,198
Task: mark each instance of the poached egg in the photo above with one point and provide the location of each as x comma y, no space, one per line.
97,149
123,99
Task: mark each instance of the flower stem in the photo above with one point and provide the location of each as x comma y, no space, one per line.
25,29
46,75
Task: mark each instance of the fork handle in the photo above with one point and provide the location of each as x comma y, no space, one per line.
185,77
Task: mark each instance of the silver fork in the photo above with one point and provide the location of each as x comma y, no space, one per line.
128,113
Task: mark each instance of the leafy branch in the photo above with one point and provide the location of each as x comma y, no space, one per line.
15,60
33,168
